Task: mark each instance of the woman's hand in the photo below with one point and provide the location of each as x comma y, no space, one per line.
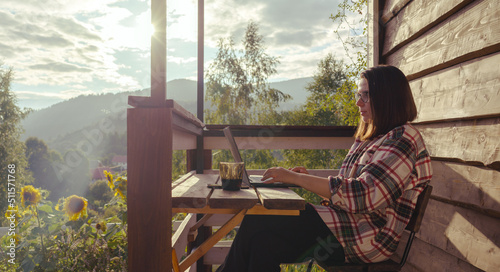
299,169
280,174
298,176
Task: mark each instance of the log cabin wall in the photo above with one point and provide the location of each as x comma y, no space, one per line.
450,52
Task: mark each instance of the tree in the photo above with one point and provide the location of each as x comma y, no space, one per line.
98,194
237,86
358,58
356,42
239,92
40,163
321,109
13,164
342,104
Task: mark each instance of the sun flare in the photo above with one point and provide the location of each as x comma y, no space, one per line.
151,30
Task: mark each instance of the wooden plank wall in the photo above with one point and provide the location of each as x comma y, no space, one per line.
450,52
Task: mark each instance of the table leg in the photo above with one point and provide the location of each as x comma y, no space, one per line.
212,240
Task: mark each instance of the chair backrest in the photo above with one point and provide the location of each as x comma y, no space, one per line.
418,214
390,265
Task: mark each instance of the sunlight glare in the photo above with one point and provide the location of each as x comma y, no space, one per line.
151,30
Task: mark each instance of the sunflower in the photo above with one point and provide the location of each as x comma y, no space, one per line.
17,238
109,176
120,186
30,196
75,207
13,215
102,226
60,204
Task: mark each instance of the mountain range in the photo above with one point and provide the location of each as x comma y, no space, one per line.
78,121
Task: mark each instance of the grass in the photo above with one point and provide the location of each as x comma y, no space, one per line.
300,268
291,268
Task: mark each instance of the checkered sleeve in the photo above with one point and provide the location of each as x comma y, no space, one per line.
382,180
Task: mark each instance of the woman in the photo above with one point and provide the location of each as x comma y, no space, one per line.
371,200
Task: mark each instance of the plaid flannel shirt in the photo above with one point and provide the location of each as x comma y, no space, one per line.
375,193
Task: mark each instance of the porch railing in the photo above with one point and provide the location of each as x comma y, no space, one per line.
153,133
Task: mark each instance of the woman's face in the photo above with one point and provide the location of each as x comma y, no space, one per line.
362,96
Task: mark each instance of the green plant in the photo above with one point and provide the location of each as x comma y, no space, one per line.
299,268
63,237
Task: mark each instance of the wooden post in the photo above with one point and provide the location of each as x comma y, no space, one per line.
200,98
149,143
201,59
374,28
159,52
203,232
192,162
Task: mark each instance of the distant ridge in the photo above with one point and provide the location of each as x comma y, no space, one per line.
74,115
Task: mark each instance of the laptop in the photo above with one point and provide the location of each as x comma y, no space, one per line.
250,180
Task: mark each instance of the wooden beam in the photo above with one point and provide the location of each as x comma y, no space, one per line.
149,145
257,209
391,8
184,140
200,158
182,179
470,141
218,253
470,33
191,193
427,257
316,172
470,185
280,131
465,91
159,51
280,199
281,137
180,238
242,199
180,123
281,143
185,118
202,221
212,240
201,59
192,161
463,233
418,17
374,28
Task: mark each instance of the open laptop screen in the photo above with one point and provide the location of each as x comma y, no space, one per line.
235,152
254,181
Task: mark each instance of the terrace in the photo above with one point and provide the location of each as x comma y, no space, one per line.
157,126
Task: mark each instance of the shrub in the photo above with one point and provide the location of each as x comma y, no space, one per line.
63,237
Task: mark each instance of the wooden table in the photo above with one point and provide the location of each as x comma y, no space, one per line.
190,194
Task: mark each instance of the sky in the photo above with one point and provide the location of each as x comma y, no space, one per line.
61,49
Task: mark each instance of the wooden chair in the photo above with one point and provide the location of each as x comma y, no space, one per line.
390,265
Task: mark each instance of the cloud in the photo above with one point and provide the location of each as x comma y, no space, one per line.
7,51
57,7
52,40
104,45
179,60
276,18
66,43
59,67
302,37
299,32
73,28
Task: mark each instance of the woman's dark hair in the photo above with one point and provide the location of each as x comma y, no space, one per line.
391,101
